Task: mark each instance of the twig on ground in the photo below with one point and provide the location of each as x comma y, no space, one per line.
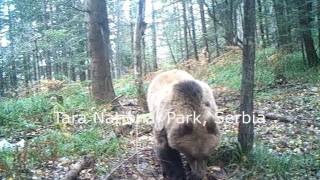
106,177
116,98
84,163
273,116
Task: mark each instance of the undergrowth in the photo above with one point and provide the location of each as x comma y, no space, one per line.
262,163
271,68
24,118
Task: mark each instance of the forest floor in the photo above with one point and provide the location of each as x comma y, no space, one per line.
287,146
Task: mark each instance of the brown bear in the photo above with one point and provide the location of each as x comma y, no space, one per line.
184,121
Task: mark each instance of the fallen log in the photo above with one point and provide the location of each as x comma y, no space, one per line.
274,116
85,163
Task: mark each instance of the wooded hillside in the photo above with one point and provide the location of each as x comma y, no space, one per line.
67,66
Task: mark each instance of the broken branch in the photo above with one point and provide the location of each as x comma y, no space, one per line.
84,163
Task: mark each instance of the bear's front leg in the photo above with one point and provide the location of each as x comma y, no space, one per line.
170,159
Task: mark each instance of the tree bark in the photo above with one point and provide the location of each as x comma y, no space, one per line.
228,23
12,60
26,75
154,38
2,84
102,88
204,30
215,27
305,8
73,74
139,33
193,31
185,29
261,27
45,17
180,34
282,26
118,62
266,22
170,48
318,12
246,130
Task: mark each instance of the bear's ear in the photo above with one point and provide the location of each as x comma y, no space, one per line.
211,126
185,129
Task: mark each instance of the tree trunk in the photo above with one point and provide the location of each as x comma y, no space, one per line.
132,43
282,26
215,27
154,38
260,15
246,131
132,26
289,16
170,48
82,74
204,30
185,29
144,58
12,60
266,22
37,60
305,8
45,18
193,31
102,88
139,33
180,34
318,10
2,84
118,63
228,23
25,61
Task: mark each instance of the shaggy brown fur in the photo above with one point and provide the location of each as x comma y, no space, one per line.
183,111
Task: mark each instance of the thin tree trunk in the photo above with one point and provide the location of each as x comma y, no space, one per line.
102,88
305,8
246,130
118,64
235,23
154,38
180,35
25,60
185,30
139,33
193,31
204,30
260,15
170,49
45,16
318,10
82,74
266,22
37,59
303,53
282,26
12,60
34,65
132,43
228,23
2,81
132,35
144,58
73,73
215,27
